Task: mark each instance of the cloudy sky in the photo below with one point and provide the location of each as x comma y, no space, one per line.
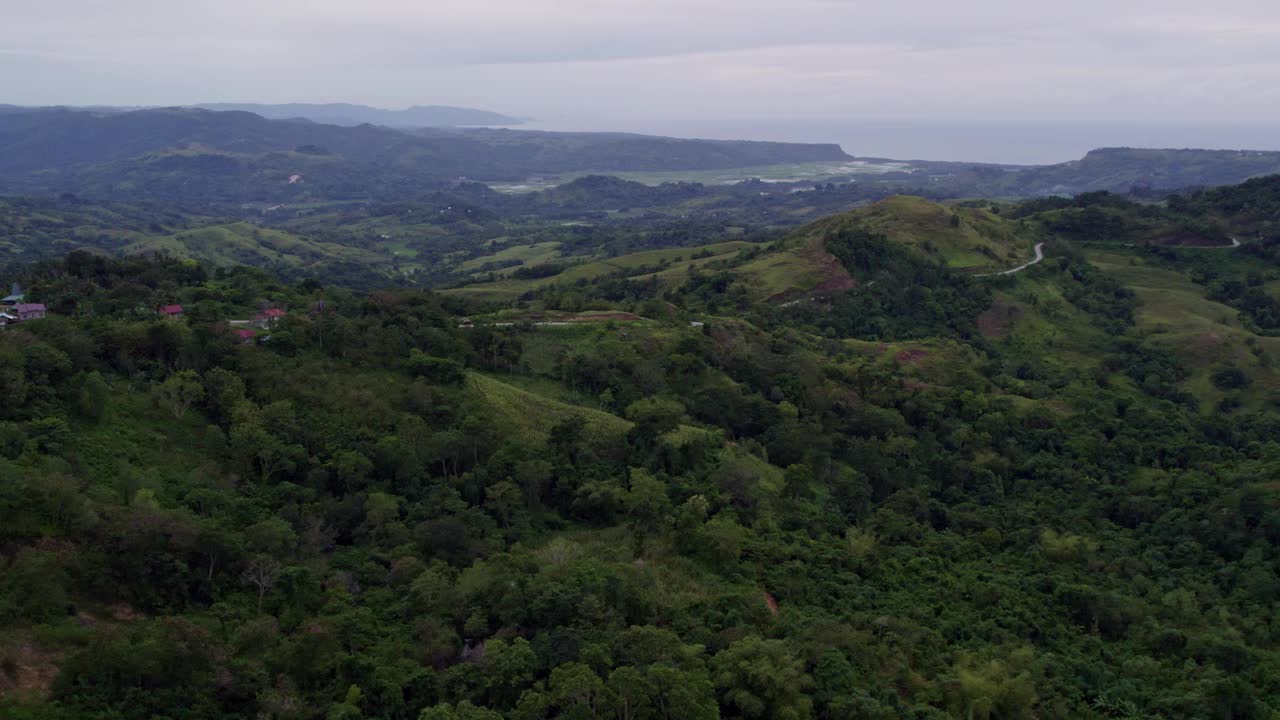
629,61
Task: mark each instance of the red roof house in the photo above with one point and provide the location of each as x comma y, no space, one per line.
245,336
268,317
171,310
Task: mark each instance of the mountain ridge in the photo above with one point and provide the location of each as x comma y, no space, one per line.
351,114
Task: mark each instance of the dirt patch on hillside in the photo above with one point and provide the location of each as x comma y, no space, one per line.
1209,347
27,672
771,602
911,356
831,271
995,322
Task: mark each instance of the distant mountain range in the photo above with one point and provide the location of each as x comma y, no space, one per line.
345,114
237,156
204,155
420,116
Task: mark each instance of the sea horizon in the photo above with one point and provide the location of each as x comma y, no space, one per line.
1002,142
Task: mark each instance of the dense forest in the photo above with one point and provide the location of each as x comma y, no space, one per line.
842,472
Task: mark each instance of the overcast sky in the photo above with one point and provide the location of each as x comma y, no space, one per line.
618,60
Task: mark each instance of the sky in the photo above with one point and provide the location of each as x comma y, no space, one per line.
630,64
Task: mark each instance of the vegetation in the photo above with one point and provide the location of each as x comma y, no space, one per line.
827,473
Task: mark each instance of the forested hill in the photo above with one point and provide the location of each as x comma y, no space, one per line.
1124,169
193,154
843,473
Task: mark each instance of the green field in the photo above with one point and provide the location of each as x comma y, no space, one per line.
1206,335
530,415
791,172
669,263
528,255
248,244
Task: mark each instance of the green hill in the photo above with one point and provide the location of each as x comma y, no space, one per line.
247,244
668,265
961,238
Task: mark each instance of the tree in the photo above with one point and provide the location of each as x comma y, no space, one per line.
352,469
222,390
565,439
505,500
648,507
91,401
262,573
381,509
261,450
577,691
273,537
438,371
681,694
179,390
762,679
462,711
534,477
654,417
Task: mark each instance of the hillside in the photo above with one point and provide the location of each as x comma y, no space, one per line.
245,244
1123,169
964,238
652,468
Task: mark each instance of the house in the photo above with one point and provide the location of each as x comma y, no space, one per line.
171,311
244,337
267,318
7,319
13,299
29,311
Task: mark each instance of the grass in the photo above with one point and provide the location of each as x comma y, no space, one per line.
528,255
792,269
549,389
248,244
530,415
401,249
678,261
161,451
1205,334
938,362
964,238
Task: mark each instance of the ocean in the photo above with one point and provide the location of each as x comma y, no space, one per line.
1028,143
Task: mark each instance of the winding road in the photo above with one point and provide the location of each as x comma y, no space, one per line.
1235,243
1020,268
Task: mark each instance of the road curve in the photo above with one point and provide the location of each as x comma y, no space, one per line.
1020,268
